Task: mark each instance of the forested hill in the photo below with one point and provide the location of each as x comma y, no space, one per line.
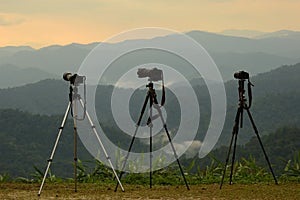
44,97
50,96
281,146
275,101
26,140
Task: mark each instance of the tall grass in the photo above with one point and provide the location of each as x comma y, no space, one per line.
244,171
292,169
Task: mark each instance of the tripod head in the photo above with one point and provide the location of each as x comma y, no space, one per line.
153,75
242,76
75,80
150,85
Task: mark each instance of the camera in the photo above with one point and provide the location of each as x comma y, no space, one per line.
241,75
153,74
74,79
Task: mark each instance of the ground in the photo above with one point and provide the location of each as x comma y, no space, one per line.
106,191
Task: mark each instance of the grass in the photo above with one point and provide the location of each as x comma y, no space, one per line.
106,191
251,182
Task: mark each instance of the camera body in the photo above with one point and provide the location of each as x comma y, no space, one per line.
241,75
153,74
74,79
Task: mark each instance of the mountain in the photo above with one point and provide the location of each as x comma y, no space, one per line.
44,97
285,47
281,145
12,76
25,138
27,141
275,96
286,34
230,53
242,33
53,59
253,34
275,102
10,50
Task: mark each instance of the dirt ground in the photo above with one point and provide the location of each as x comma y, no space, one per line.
98,191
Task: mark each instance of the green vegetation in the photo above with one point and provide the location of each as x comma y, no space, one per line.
26,140
250,182
245,171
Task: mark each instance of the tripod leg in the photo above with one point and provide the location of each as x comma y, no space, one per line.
133,138
75,143
151,125
102,146
262,147
234,132
227,160
235,142
170,140
233,158
54,148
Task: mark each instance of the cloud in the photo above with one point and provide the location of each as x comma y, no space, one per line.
193,148
10,20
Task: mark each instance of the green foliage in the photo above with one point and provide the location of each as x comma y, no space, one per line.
26,139
246,171
280,147
211,173
4,178
37,177
249,172
100,173
292,168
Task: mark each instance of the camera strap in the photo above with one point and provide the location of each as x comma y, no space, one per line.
163,97
84,101
250,93
155,104
71,98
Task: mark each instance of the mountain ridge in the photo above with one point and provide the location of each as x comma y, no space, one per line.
256,55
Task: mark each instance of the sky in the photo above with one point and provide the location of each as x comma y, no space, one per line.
40,23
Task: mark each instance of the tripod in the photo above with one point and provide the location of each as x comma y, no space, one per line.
151,95
74,97
239,122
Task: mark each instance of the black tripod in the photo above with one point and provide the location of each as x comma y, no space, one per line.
151,95
74,97
239,122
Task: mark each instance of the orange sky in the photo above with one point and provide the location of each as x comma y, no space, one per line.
40,23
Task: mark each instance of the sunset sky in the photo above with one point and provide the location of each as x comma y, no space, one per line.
40,23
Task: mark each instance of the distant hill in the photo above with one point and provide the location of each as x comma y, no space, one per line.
44,97
285,47
275,102
26,140
286,34
275,96
281,145
242,33
12,76
256,54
